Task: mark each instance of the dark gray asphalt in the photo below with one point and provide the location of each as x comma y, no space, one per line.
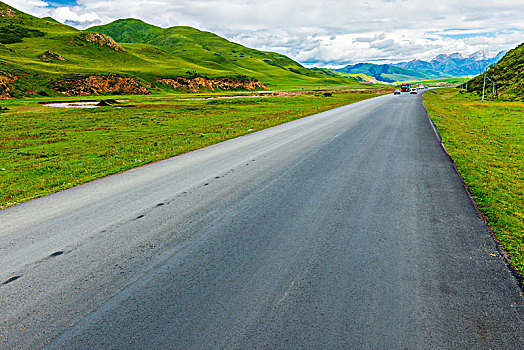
345,230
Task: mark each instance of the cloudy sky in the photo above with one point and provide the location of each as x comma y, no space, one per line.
329,33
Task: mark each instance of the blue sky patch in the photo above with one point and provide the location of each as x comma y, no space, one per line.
58,3
469,35
460,33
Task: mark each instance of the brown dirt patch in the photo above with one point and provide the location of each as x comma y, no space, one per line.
197,83
101,84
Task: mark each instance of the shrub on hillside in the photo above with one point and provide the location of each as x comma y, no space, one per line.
12,33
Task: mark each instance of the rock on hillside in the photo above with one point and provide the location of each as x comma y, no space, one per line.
229,83
50,56
7,11
194,84
101,84
6,87
97,39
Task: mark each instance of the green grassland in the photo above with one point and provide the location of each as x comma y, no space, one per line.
45,149
486,141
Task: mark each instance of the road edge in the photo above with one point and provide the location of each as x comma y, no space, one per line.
506,257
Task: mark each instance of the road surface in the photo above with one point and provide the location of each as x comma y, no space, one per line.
346,230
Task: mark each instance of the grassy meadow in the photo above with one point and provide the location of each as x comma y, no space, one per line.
486,141
45,149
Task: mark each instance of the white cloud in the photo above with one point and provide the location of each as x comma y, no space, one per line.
380,36
34,7
66,14
328,32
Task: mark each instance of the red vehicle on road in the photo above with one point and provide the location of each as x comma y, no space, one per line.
404,87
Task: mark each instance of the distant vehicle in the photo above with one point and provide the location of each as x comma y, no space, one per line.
413,91
404,87
420,88
397,92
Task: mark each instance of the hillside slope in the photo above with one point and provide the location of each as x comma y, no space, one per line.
43,57
212,50
36,54
508,74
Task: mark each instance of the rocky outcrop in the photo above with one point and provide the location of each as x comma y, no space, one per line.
7,12
5,86
97,39
50,56
192,85
197,83
101,84
232,84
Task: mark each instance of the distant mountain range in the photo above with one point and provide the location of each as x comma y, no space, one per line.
455,64
442,66
385,72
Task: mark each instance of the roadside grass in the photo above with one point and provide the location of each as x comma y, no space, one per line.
486,141
45,149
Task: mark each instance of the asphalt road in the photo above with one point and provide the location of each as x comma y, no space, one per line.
346,230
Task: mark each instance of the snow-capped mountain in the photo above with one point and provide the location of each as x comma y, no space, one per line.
455,64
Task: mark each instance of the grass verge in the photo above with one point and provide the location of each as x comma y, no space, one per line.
486,141
44,149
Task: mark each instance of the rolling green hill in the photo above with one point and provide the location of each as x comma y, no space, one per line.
508,74
43,57
214,54
384,72
358,77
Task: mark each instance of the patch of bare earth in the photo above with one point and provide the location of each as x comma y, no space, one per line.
97,39
101,84
197,83
50,56
6,87
7,12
